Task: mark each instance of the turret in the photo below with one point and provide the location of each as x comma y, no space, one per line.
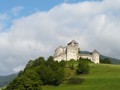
95,56
59,51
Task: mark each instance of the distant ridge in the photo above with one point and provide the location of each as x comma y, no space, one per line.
4,80
113,60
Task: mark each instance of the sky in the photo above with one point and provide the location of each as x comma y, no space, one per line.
30,29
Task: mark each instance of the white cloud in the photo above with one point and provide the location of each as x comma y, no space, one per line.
19,68
92,24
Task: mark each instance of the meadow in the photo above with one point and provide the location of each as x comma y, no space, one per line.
101,77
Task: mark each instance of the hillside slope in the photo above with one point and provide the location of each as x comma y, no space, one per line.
4,80
101,77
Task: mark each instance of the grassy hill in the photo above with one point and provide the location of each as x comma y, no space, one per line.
101,77
42,73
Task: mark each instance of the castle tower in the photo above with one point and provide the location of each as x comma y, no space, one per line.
60,54
59,51
72,50
95,56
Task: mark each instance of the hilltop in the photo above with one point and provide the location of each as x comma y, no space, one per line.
41,72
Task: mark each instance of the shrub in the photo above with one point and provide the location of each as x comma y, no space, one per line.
72,67
23,83
82,67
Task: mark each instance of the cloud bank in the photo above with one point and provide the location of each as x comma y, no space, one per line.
93,24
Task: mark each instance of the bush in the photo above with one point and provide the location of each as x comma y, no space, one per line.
63,63
72,67
82,67
23,83
75,80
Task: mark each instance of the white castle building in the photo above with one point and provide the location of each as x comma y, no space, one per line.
72,51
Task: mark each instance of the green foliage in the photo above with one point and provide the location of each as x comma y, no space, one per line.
37,73
105,60
46,74
71,64
82,67
59,76
32,75
72,67
85,60
38,62
75,80
40,72
23,83
63,63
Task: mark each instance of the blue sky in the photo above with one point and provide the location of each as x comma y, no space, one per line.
28,7
33,28
33,5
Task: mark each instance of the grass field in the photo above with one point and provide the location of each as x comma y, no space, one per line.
101,77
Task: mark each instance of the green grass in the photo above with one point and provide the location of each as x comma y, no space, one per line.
101,77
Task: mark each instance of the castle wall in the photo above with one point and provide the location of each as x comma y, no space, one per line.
60,57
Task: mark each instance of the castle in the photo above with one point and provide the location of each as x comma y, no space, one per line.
72,51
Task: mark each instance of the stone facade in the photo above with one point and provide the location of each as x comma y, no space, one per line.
72,51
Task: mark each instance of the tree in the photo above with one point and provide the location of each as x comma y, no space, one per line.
59,76
23,83
46,74
39,61
62,63
82,67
